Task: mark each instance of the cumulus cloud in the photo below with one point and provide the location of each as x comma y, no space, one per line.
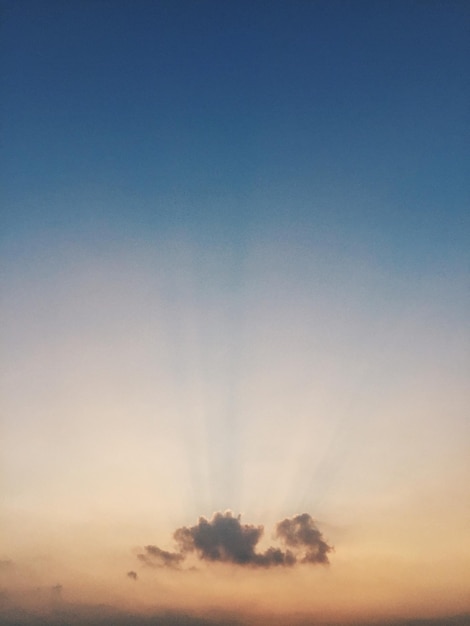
225,539
300,532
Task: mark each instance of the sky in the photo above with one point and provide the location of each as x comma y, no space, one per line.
235,343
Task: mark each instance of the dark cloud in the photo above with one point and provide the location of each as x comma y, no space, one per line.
132,575
301,533
155,557
225,539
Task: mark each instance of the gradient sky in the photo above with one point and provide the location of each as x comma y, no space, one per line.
235,255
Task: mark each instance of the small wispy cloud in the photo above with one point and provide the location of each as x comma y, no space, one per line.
155,557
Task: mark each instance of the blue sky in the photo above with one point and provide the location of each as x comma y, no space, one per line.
235,267
259,109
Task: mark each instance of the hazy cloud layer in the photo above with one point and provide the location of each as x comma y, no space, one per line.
225,539
103,615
